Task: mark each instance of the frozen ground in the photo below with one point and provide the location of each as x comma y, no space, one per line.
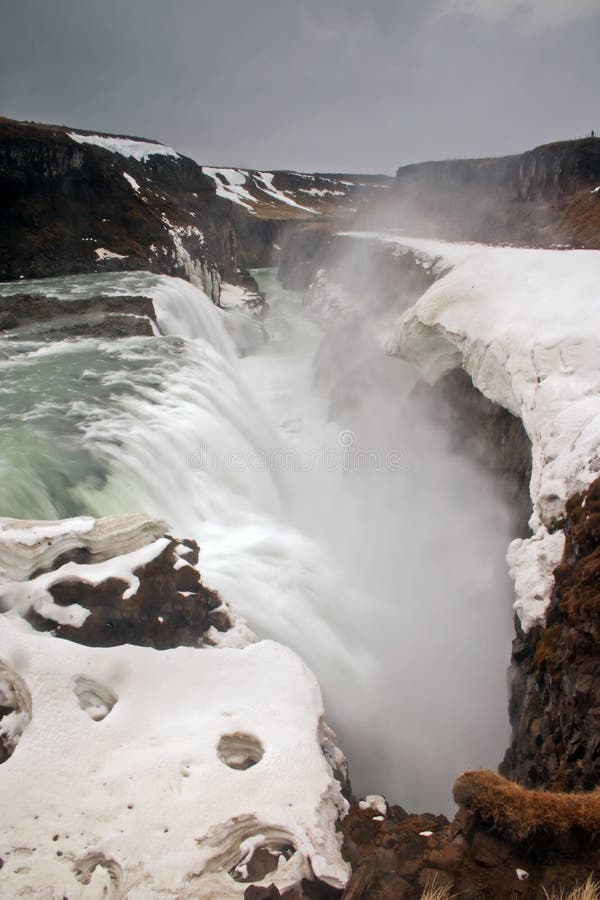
143,773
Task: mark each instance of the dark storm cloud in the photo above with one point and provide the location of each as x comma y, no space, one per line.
332,85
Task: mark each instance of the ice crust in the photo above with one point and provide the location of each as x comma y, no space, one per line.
524,324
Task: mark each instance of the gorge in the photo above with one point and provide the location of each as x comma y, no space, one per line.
352,424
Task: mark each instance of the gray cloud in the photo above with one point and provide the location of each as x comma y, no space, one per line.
529,12
341,85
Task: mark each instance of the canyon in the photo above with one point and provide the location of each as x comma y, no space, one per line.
168,331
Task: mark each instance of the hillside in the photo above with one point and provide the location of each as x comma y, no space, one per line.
548,196
77,202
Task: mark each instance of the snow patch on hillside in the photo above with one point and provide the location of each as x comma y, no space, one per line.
230,185
139,150
102,253
275,194
132,182
248,188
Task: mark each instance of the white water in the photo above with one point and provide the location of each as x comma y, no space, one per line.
370,576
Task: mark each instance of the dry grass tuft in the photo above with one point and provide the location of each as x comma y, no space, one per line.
435,890
518,813
588,891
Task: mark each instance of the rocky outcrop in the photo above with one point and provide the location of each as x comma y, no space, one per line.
503,842
57,318
544,197
374,278
107,582
555,690
170,608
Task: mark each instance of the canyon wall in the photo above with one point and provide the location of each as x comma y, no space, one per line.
543,197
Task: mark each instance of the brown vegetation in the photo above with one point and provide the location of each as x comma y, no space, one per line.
518,813
437,890
590,890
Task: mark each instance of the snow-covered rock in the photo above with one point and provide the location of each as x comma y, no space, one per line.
123,782
27,546
524,324
129,771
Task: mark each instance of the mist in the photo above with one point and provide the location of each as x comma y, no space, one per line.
421,532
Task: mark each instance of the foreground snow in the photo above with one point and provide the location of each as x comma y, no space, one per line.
525,325
145,773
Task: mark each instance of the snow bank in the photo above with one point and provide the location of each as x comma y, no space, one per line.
139,150
524,324
28,546
142,773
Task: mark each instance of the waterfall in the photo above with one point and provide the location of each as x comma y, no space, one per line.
240,454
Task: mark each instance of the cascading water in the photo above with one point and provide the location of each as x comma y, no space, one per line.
357,568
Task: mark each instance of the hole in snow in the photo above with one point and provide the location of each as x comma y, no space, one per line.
261,857
248,850
95,699
15,710
107,874
240,751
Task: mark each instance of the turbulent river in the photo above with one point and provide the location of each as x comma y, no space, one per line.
375,555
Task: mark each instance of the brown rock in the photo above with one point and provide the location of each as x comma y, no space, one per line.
171,607
449,857
369,884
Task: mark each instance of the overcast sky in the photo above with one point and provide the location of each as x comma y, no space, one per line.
330,85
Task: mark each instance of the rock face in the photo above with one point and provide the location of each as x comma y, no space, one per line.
74,202
73,207
555,701
542,197
549,172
